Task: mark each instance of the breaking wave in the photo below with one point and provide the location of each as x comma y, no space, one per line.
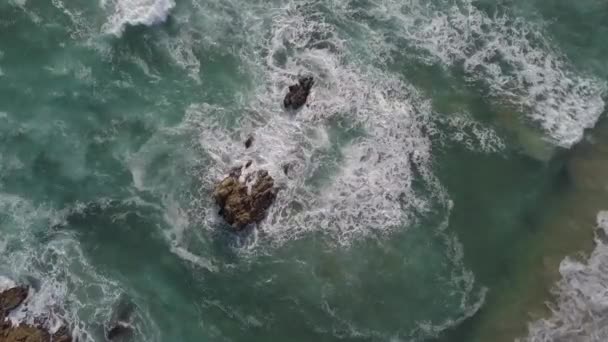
580,313
136,12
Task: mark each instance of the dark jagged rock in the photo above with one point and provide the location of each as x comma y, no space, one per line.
10,300
243,202
249,141
298,93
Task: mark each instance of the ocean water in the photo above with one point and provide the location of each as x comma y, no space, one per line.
446,178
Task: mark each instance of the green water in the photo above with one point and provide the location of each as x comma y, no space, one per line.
439,149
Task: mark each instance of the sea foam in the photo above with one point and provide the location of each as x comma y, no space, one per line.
136,12
369,188
580,313
511,56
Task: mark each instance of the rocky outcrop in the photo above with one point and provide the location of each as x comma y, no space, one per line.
28,333
12,299
244,198
23,333
298,93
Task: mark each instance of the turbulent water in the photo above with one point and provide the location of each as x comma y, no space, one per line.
440,139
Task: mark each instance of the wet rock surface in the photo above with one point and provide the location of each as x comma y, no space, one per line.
245,198
9,301
298,93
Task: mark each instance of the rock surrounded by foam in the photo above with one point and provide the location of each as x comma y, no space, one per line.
244,197
11,299
298,93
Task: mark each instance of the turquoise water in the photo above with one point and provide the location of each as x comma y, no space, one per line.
435,147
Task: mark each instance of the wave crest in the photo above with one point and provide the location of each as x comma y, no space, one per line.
136,12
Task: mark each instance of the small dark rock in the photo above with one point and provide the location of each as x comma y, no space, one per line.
235,172
248,164
249,141
298,93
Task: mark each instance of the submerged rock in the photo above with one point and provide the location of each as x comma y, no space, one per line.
120,331
244,200
298,93
10,300
120,327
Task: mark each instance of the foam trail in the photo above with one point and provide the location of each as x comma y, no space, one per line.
136,12
512,57
463,129
581,311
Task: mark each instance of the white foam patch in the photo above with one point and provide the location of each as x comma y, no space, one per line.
81,24
6,283
508,54
10,163
463,129
177,237
181,50
135,12
580,313
20,3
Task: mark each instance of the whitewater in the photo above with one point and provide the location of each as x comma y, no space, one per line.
438,142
